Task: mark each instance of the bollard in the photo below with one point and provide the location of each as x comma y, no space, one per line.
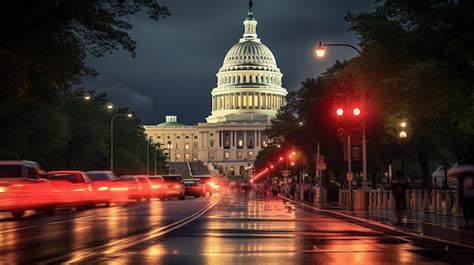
449,202
385,199
439,198
434,201
414,200
426,200
370,199
379,199
408,199
420,199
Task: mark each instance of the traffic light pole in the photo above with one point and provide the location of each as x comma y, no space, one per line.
349,170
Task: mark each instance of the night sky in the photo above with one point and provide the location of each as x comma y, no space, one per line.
178,57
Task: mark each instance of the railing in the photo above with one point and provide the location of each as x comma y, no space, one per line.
437,201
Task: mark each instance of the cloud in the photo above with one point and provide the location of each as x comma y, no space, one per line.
179,56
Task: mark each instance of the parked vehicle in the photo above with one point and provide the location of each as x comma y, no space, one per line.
74,187
158,187
107,189
174,186
22,187
211,185
194,187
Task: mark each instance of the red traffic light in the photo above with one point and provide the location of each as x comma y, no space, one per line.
340,112
356,111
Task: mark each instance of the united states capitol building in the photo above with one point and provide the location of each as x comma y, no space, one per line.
248,95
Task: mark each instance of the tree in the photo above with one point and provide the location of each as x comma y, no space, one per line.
43,44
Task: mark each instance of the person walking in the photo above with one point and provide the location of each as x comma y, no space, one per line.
466,196
399,186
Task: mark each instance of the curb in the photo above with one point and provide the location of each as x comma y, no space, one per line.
379,224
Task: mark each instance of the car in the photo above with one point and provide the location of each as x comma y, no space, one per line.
146,185
210,183
75,188
22,188
135,188
158,187
194,187
174,186
107,187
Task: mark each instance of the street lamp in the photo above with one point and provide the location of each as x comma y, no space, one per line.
110,105
320,53
129,115
169,157
403,135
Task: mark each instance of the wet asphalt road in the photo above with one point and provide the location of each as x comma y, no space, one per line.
239,229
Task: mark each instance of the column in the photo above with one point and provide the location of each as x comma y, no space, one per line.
231,139
254,138
245,139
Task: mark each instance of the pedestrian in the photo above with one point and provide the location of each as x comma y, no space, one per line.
466,195
399,185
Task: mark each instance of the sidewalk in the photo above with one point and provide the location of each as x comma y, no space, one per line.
441,227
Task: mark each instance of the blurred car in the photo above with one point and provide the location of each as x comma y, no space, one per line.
174,186
107,188
146,185
22,187
194,187
211,185
139,187
75,188
158,187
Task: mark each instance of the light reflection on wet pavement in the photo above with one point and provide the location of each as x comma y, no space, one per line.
243,230
238,230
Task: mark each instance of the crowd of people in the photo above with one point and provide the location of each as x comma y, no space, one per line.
288,187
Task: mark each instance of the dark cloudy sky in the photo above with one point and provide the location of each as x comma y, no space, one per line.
178,57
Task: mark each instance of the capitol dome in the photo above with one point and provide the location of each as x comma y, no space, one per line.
249,83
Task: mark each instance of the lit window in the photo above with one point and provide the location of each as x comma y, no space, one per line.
250,155
186,146
240,156
226,155
241,143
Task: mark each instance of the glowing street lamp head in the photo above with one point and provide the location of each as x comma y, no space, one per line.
129,115
87,97
356,111
281,158
320,51
403,124
339,112
403,134
293,153
110,106
292,163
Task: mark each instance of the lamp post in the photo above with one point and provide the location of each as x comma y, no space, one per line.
403,135
321,52
169,157
112,137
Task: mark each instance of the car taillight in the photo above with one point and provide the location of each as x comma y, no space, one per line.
103,188
156,186
3,189
177,186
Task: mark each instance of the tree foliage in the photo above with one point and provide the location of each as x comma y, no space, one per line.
43,44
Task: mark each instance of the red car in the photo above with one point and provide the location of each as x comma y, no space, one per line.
74,188
158,187
139,187
23,188
107,189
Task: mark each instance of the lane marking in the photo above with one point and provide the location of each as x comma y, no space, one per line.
50,223
379,224
113,246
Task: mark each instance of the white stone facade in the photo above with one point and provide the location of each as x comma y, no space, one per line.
248,95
